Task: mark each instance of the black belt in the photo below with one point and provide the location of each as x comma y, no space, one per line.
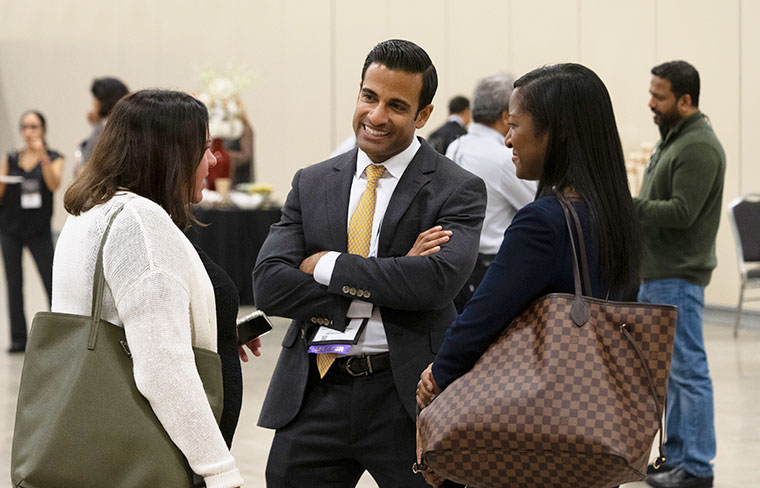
363,365
486,259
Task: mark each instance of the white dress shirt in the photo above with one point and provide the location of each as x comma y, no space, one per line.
373,339
482,152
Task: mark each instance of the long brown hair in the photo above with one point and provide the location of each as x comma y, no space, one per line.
151,145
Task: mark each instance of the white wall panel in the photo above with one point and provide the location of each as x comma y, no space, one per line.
477,45
618,43
543,32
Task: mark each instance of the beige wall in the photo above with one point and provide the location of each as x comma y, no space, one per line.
308,55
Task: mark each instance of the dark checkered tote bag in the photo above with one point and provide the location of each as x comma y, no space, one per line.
569,395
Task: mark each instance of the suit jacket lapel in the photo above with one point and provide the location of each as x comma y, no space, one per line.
417,175
337,191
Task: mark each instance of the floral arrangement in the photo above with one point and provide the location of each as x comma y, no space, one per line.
221,95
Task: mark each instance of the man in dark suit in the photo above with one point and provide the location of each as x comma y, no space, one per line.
455,126
370,251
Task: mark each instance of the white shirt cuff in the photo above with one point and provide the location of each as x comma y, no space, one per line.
324,269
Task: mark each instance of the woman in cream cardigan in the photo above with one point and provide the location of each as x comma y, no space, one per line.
151,161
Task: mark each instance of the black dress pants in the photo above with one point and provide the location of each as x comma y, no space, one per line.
346,425
41,247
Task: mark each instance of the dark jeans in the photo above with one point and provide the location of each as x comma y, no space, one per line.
41,247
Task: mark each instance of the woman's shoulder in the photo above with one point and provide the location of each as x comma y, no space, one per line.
145,236
139,206
143,219
545,209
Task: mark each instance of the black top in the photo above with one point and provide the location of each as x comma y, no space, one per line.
226,297
534,260
25,222
445,135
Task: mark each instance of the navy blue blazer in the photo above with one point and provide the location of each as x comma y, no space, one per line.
414,293
534,259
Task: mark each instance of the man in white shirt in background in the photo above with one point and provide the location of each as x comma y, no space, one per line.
482,152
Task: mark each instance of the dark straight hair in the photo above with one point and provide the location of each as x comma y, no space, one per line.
152,145
401,55
584,155
683,78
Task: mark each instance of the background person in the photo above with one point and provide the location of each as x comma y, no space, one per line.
26,207
455,126
482,152
679,206
151,162
563,134
105,93
240,151
328,266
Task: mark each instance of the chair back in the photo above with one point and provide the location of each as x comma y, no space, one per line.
744,213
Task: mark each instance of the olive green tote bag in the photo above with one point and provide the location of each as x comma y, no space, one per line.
80,420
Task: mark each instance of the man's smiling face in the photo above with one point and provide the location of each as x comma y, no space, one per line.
386,111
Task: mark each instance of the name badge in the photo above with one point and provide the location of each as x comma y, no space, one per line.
31,198
330,340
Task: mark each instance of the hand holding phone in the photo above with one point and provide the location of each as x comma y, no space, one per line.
250,329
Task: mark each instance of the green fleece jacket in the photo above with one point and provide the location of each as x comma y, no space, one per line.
680,203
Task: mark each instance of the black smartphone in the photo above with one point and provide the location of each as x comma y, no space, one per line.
252,326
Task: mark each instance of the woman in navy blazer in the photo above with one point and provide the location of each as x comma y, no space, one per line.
563,134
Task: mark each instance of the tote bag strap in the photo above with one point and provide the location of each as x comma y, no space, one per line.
571,214
582,249
98,284
579,311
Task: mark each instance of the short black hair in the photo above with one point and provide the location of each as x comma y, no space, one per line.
458,104
108,91
398,54
683,78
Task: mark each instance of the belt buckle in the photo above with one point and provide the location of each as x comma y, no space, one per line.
361,373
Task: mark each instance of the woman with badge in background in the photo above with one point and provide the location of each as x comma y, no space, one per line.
28,178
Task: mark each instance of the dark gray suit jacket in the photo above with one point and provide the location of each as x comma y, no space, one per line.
414,293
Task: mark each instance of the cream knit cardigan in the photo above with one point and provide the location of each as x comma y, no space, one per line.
159,291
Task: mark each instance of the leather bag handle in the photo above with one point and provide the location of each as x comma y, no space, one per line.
98,284
579,311
582,249
568,210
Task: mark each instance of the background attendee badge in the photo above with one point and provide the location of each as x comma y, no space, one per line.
330,340
31,198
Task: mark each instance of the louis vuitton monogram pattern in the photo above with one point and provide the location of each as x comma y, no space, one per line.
551,404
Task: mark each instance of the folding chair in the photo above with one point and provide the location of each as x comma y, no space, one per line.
744,213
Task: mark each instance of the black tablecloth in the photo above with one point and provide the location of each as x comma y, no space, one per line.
232,239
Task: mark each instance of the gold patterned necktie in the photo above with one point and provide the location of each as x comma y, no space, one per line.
359,238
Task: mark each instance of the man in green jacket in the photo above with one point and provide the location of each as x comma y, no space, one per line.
679,207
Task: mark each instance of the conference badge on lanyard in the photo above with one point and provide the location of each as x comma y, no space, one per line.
31,198
326,339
